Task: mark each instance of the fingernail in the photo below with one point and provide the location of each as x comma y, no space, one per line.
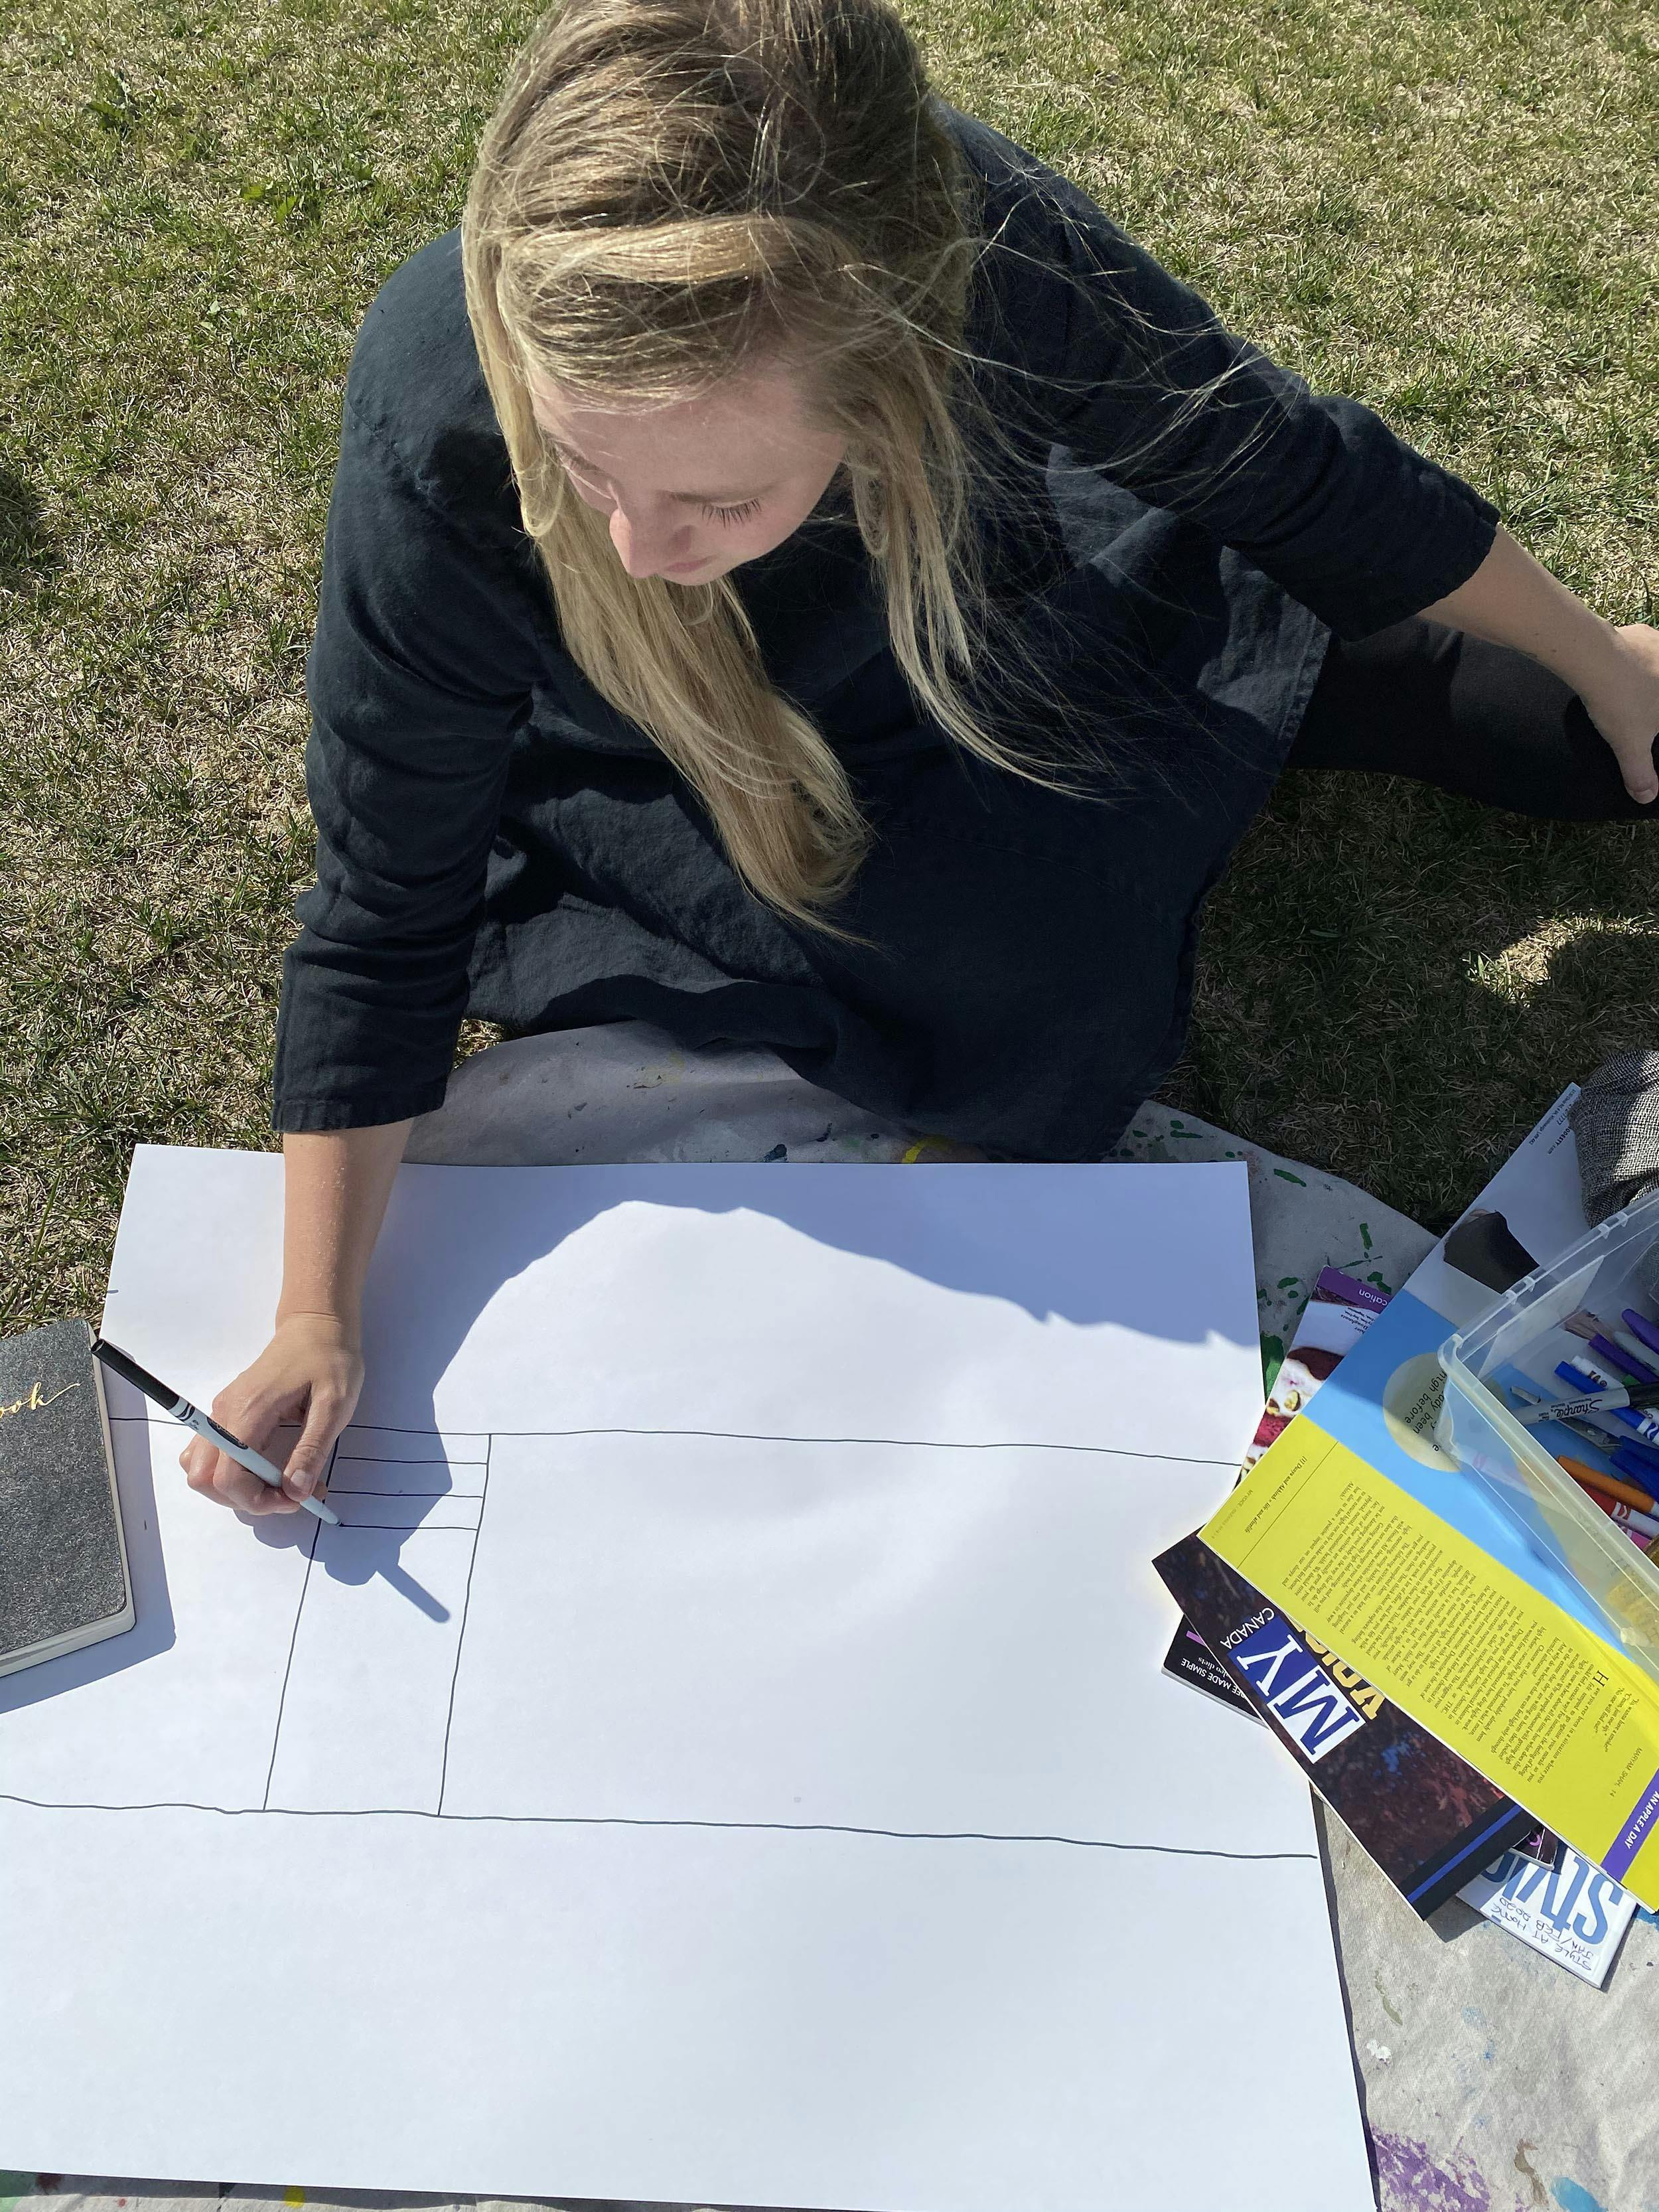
302,1482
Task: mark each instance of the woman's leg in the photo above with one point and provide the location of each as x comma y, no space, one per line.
1477,719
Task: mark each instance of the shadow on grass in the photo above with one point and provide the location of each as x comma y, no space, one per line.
29,551
1393,984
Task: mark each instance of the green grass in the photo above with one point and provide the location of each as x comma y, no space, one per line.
1449,208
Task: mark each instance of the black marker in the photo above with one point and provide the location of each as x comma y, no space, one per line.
123,1364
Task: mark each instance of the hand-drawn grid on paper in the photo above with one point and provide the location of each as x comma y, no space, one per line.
666,1628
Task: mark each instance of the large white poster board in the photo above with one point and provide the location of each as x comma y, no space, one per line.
721,1757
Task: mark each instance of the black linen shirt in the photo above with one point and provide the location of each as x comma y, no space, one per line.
493,837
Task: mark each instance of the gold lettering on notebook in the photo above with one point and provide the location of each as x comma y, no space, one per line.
34,1401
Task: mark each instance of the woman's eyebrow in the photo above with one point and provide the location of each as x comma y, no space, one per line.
568,453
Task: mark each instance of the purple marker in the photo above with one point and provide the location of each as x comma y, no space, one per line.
1633,1345
1611,1356
1640,1326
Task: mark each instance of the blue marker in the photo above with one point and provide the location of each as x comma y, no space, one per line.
1590,1385
1636,1466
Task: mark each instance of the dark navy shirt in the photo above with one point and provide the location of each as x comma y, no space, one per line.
1180,525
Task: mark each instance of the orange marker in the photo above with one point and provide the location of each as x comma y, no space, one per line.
1613,1485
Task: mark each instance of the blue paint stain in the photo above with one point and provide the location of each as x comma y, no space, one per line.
1473,2016
1573,2197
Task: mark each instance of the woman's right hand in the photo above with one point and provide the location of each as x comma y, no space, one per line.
309,1375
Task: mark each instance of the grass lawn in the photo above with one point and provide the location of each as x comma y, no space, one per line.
1449,208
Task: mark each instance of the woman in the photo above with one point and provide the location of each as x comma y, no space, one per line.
799,574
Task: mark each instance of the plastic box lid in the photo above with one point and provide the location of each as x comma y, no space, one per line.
1523,1335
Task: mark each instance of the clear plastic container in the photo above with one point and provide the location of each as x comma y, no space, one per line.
1523,1337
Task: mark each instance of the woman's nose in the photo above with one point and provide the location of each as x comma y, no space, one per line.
646,540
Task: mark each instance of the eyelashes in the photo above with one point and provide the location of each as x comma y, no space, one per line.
728,517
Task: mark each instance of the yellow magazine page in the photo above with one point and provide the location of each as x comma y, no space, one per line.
1510,1681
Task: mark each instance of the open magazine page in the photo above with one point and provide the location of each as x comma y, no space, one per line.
1363,1529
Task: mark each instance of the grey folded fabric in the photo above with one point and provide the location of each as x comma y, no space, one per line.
1615,1128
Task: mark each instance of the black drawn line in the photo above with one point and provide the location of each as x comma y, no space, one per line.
765,1436
276,1733
455,1496
466,1604
905,1443
410,1528
391,1459
624,1820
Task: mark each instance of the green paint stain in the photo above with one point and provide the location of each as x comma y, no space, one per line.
1273,1359
1365,1237
1284,1175
1289,1282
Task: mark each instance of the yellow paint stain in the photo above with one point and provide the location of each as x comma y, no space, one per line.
938,1148
295,2197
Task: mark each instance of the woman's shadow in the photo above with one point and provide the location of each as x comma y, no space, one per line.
381,1501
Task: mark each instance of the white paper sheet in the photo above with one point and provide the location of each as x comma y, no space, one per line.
723,1759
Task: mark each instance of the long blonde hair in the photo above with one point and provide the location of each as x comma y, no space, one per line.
670,189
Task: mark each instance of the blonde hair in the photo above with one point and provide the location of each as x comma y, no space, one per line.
671,189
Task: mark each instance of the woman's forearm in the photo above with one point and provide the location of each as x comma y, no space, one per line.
337,1184
1512,600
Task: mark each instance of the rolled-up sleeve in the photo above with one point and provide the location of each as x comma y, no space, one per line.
1130,369
419,674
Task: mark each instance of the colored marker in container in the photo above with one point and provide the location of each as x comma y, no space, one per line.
1610,1485
1640,1528
1588,1382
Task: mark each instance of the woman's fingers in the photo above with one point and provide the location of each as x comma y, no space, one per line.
327,1414
309,1376
1628,717
210,1474
1638,763
249,1411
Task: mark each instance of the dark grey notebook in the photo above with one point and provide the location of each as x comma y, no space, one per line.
63,1560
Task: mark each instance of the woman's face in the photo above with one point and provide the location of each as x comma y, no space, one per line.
695,488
